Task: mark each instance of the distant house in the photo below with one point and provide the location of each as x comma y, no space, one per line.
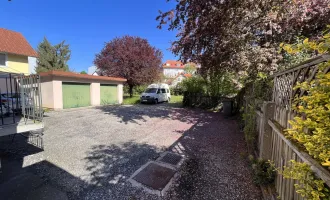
178,79
16,54
172,68
92,70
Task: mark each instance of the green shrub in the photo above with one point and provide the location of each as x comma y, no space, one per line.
308,186
263,171
195,84
221,85
137,90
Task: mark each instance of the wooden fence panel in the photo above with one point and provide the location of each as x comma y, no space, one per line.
281,150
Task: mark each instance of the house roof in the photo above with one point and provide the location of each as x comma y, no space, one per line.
187,75
173,64
82,76
15,43
169,81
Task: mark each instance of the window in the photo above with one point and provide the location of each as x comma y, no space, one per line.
151,90
3,59
163,91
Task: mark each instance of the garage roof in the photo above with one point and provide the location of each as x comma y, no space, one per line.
82,76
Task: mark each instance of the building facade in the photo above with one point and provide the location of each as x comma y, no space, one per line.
16,54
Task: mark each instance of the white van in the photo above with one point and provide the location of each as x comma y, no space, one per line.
156,93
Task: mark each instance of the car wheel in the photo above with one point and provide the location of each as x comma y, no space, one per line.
156,101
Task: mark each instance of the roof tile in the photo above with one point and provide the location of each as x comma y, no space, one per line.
15,43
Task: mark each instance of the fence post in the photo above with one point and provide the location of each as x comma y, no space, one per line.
266,130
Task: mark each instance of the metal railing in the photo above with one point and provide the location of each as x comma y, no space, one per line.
20,99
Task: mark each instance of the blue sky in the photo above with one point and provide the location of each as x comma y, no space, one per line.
86,24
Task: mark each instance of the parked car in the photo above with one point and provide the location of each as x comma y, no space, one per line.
13,101
156,93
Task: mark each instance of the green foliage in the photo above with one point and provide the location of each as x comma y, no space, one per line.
177,90
52,57
308,185
263,172
195,84
250,126
175,99
313,130
263,87
83,72
214,85
190,68
221,84
137,90
135,99
254,92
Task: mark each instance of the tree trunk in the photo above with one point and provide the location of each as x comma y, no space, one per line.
131,91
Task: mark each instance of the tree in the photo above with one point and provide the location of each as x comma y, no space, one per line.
132,58
52,57
241,34
190,68
83,72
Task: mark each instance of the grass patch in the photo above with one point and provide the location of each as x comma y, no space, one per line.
176,99
131,100
136,100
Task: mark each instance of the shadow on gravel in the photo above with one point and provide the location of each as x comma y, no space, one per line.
111,165
108,169
214,168
25,182
137,113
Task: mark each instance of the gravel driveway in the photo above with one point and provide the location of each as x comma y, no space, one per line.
90,153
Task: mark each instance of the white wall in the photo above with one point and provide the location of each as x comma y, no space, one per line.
32,64
172,72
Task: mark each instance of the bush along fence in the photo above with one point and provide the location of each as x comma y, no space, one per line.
201,100
292,130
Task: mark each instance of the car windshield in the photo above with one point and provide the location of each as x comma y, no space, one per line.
151,90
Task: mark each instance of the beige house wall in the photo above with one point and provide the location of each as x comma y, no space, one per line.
47,94
57,95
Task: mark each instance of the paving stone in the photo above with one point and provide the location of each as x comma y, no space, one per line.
154,176
171,158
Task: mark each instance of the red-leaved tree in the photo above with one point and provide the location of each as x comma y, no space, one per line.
132,58
241,34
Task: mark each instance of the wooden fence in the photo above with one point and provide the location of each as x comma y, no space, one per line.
273,118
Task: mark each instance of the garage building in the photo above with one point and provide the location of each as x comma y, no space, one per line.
62,90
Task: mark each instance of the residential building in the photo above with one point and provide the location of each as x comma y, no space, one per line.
92,70
175,71
16,54
178,79
172,68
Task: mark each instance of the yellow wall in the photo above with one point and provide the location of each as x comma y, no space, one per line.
16,64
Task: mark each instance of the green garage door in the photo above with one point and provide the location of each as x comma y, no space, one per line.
109,94
76,95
